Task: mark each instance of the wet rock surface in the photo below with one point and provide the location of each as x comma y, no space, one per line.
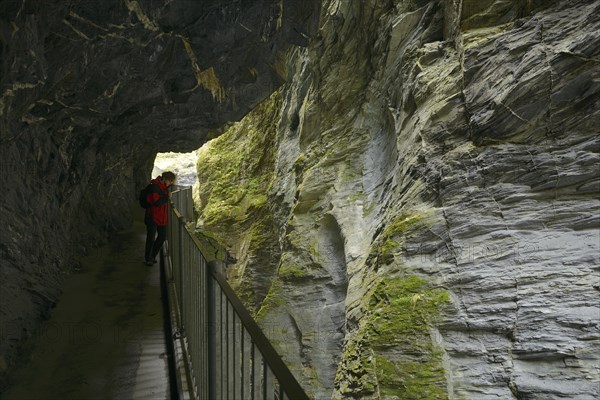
436,197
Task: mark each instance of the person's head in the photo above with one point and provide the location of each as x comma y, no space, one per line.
168,178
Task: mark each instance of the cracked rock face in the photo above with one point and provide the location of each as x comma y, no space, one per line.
90,92
435,184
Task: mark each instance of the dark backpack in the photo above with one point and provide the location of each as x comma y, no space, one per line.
151,188
144,196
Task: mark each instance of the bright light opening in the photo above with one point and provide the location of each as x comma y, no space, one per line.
182,164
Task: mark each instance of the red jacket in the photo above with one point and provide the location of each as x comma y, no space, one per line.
158,199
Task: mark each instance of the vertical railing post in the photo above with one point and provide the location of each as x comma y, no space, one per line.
211,308
190,207
181,267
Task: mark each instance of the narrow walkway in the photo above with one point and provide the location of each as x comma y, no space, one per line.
105,339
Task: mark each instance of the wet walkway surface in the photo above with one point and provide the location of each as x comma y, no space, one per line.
105,339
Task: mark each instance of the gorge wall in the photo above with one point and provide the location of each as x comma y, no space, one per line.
415,212
90,92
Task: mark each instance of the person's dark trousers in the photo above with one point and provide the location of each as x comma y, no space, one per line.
153,245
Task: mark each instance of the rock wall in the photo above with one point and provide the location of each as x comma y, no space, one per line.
90,91
434,187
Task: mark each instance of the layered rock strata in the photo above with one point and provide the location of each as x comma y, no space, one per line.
434,188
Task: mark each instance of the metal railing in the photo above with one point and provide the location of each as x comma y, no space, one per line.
226,355
183,201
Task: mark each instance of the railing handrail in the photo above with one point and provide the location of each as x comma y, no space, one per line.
277,366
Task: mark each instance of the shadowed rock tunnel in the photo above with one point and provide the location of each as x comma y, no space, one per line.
90,92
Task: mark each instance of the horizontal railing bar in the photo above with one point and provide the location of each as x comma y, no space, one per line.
177,213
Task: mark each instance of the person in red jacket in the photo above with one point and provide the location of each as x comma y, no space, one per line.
157,215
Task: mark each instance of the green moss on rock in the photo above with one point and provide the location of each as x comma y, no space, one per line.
236,168
235,173
401,223
391,352
393,235
401,310
356,376
273,300
291,273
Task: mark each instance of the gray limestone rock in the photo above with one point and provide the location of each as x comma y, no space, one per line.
436,189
